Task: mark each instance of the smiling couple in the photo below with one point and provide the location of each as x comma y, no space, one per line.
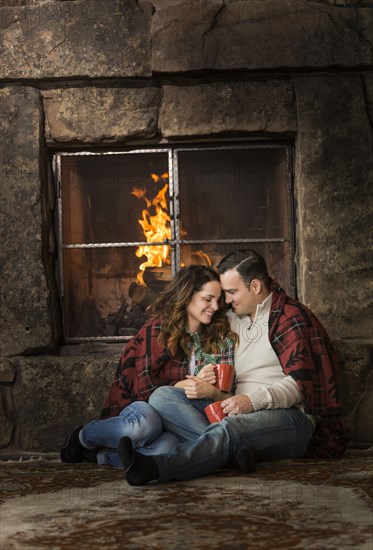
284,402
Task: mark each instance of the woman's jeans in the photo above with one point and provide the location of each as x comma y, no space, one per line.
139,421
269,434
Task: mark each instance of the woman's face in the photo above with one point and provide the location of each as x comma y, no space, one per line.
203,305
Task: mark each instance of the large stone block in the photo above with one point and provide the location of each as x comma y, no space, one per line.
8,423
54,394
100,115
207,109
85,38
334,174
255,35
25,291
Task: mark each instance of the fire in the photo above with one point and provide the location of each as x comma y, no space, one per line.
201,257
156,227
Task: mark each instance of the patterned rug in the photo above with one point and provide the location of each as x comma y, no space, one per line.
288,504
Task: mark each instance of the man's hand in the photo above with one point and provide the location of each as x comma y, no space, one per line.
208,374
238,404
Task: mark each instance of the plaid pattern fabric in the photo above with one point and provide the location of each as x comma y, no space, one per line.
202,358
306,353
145,365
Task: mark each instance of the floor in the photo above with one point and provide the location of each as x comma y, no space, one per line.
287,504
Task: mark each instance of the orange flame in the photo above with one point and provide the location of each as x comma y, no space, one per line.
156,227
202,257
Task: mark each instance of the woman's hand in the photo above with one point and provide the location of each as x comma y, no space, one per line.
208,374
196,388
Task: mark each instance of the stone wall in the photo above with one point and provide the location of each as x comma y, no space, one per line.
88,73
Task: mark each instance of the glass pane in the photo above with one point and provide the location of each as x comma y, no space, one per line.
98,203
123,198
231,194
102,296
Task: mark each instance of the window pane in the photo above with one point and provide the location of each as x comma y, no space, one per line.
233,194
102,296
97,201
224,194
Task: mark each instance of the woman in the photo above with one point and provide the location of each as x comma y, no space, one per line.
187,334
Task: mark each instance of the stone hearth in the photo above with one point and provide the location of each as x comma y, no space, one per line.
91,75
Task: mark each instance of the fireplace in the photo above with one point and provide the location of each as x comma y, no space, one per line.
128,220
216,99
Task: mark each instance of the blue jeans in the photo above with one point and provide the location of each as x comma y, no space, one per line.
181,416
139,421
270,434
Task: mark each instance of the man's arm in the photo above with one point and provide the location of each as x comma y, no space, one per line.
281,395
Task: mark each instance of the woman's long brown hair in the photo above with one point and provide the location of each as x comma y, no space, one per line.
171,307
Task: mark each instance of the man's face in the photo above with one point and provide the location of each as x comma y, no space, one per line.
242,300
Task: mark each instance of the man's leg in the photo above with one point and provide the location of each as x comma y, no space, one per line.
188,460
163,444
269,434
180,416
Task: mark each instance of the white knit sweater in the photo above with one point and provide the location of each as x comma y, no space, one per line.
258,370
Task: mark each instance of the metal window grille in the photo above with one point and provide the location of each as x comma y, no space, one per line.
219,199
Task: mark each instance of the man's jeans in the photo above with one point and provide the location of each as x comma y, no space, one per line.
270,434
139,421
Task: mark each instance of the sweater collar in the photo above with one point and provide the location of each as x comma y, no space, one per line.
263,309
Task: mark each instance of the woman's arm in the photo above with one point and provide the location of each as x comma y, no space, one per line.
196,388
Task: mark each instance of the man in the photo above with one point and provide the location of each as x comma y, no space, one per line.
285,403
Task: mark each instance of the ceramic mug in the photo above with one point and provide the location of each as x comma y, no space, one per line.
214,412
224,376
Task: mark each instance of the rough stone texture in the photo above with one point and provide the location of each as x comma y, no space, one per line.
252,34
7,417
368,81
25,295
363,423
54,394
334,173
91,59
219,107
356,389
86,38
8,422
100,115
7,371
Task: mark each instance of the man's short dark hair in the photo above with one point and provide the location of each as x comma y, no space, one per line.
249,264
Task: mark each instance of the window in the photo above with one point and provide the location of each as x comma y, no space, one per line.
128,220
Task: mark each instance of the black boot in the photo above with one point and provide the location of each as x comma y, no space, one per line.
89,456
72,450
140,469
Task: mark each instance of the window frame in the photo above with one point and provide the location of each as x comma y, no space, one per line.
176,242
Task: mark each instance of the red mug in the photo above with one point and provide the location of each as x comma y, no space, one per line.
224,376
214,412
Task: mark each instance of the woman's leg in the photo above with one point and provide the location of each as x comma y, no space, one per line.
181,416
139,421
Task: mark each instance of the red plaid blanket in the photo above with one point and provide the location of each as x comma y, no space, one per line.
306,353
